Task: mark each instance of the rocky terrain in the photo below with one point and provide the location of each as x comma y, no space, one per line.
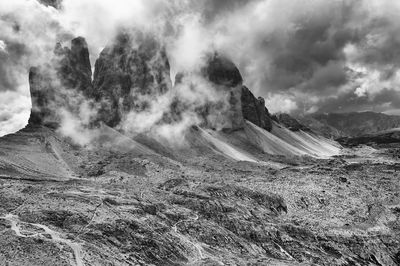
239,187
127,204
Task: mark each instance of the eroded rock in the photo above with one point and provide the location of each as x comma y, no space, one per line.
290,122
254,109
131,67
58,83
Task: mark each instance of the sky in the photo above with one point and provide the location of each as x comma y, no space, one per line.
314,56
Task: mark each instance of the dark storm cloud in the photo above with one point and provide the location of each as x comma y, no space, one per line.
380,46
316,50
386,99
301,55
310,57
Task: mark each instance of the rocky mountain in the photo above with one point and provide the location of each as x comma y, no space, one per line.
53,3
320,127
129,68
290,122
133,72
225,78
350,124
254,110
133,67
254,190
57,84
373,139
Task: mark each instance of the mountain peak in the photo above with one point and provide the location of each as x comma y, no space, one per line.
222,71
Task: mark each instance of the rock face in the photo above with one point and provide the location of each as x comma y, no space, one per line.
53,3
74,70
42,94
51,85
127,75
126,70
131,73
225,114
319,127
243,104
222,71
290,122
254,110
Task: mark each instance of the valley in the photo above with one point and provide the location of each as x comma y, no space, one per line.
131,205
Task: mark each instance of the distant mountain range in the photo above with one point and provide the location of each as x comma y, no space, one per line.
350,124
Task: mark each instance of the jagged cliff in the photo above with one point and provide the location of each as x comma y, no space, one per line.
58,83
254,109
260,195
131,68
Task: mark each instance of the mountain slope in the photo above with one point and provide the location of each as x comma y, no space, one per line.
383,137
282,141
124,201
350,124
229,187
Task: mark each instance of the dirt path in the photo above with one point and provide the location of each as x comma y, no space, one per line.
42,231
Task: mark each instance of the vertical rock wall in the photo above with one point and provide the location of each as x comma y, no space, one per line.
67,73
129,68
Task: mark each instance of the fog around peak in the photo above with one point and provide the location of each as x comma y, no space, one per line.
303,57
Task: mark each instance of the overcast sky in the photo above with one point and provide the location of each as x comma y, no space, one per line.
302,56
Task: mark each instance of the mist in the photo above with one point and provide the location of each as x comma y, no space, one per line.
303,57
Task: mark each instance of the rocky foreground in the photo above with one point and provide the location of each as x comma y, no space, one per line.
130,204
235,186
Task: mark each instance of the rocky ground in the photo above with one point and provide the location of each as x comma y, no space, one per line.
62,204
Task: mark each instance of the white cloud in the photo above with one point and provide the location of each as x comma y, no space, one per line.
361,92
14,112
251,35
3,46
280,103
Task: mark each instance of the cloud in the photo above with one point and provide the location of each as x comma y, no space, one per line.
302,56
191,94
281,103
3,46
313,49
14,111
361,92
